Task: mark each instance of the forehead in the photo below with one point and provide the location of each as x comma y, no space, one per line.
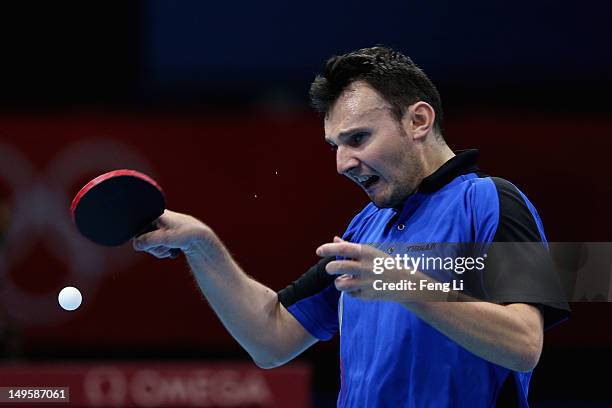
359,105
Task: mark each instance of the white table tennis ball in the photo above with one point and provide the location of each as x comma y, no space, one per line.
69,298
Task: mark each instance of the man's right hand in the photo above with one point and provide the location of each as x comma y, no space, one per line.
180,231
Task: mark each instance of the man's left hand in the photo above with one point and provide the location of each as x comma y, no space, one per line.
356,272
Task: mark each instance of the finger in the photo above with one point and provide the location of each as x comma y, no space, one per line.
347,284
135,246
344,249
161,252
343,267
158,250
151,239
169,219
162,221
167,252
338,239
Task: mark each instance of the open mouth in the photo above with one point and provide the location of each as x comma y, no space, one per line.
367,181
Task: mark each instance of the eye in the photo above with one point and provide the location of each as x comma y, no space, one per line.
358,139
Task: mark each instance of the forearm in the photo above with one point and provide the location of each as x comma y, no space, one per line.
249,310
510,336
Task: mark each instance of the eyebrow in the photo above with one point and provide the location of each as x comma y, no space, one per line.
346,134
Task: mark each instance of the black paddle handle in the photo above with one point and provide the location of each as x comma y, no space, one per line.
174,252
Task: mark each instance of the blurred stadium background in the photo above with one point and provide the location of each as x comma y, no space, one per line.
211,99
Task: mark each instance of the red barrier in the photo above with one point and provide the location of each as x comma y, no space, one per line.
165,384
267,184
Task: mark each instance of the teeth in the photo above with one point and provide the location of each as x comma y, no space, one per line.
363,179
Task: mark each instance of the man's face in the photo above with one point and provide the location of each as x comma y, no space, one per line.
373,148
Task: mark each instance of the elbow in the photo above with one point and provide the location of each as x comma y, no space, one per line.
267,364
530,356
528,362
525,366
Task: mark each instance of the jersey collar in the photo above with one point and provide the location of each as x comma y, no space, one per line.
464,162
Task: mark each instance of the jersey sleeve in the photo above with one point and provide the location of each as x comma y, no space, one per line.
313,300
518,268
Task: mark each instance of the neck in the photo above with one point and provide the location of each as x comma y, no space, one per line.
434,157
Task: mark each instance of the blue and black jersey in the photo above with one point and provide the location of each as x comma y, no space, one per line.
391,358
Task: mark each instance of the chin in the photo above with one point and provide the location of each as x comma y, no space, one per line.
382,202
386,201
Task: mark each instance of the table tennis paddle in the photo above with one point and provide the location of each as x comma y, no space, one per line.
117,206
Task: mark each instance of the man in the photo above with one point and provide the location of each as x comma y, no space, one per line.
383,119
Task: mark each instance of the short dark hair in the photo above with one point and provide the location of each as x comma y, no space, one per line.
389,72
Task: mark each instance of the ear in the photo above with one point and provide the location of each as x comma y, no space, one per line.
419,119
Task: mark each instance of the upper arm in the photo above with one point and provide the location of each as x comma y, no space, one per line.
312,300
519,268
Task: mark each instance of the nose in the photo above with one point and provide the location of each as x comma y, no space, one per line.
345,160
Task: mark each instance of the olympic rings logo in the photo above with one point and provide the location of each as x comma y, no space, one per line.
38,204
